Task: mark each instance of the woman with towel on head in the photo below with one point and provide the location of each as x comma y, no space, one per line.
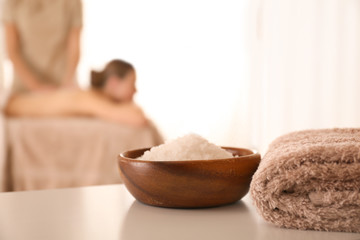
110,98
43,42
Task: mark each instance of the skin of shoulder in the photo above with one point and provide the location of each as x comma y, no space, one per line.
59,102
42,103
65,102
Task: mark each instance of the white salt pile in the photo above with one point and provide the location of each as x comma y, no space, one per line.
188,147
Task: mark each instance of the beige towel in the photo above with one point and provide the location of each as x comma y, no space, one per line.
48,153
311,180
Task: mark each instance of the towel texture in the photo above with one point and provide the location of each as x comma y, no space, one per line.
311,180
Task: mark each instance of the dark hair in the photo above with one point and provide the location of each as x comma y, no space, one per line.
116,67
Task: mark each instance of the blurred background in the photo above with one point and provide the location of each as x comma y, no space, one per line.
239,73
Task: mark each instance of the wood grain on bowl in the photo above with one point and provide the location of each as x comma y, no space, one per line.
189,184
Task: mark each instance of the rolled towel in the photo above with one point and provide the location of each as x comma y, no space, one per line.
311,180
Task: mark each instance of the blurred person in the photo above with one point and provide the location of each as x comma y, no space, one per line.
43,42
110,98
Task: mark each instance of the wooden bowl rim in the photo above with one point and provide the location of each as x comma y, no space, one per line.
254,154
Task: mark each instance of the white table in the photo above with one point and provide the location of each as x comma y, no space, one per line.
110,212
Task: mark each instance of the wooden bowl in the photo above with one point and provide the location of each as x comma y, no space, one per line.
188,184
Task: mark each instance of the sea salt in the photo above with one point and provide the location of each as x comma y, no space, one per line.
188,147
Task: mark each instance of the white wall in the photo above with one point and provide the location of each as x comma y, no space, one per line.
190,58
305,66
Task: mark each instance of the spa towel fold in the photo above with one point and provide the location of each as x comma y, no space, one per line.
311,180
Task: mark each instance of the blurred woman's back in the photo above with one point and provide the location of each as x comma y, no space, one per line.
111,98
